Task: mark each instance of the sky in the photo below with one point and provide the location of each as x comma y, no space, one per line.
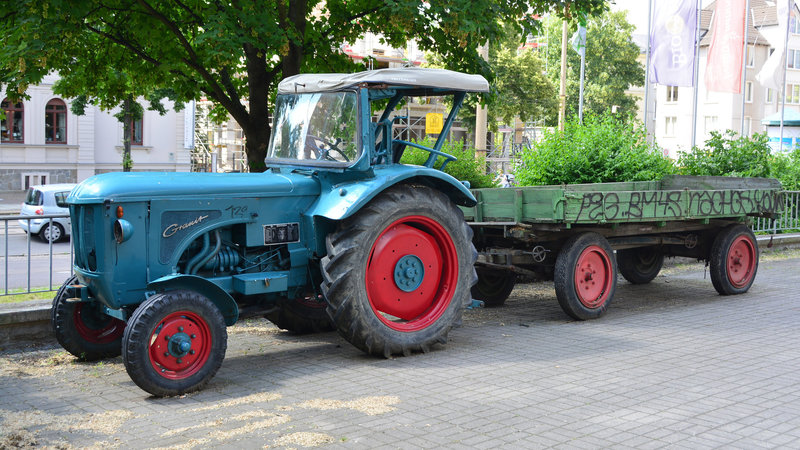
637,12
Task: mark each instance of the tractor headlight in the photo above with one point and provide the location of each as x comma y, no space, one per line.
123,230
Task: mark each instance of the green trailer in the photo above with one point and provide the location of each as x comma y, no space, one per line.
581,236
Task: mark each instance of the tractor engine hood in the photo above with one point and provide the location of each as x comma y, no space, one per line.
146,186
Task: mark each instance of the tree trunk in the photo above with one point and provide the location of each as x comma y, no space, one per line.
127,162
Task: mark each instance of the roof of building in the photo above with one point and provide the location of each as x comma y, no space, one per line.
761,15
791,118
439,79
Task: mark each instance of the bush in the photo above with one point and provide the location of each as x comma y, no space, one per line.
603,149
727,155
786,168
468,167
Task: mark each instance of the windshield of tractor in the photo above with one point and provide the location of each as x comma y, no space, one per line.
313,128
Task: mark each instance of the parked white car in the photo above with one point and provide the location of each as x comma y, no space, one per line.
47,199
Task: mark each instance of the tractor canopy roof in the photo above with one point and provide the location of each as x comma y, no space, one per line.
419,81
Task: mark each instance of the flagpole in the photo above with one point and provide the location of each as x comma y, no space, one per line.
744,63
580,94
696,72
785,63
647,70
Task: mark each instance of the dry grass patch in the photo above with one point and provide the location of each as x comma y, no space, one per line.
304,439
370,406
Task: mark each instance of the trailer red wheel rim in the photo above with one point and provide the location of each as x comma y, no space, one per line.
96,327
593,276
402,246
741,261
180,345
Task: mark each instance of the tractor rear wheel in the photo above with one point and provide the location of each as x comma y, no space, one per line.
398,273
174,343
302,315
83,329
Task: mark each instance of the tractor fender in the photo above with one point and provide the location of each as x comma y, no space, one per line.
345,199
226,304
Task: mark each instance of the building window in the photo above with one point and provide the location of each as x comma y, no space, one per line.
748,92
751,56
748,123
793,59
669,126
769,96
136,131
12,126
55,122
793,94
672,94
710,123
794,26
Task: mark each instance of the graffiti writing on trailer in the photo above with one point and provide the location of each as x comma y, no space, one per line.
596,206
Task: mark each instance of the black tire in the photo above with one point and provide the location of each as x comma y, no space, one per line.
581,297
494,287
733,261
174,343
83,329
372,292
301,316
56,235
640,265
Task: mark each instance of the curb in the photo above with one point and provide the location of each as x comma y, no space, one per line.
30,321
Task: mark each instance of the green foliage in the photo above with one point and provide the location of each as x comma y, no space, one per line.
234,53
611,65
725,154
786,168
603,149
522,89
468,167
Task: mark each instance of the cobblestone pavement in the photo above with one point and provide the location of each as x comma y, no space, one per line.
672,364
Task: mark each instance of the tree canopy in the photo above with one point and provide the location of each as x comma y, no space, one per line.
235,52
611,65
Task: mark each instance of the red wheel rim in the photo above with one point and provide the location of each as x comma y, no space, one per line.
593,277
180,345
428,294
741,261
96,327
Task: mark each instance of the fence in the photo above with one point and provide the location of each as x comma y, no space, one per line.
788,220
22,253
60,263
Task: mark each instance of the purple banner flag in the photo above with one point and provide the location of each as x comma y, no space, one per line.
672,43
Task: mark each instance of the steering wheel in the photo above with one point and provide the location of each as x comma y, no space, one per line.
323,148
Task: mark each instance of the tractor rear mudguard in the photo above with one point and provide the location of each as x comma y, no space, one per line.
345,199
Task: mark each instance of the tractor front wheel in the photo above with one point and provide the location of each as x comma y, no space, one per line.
83,329
302,315
398,273
174,343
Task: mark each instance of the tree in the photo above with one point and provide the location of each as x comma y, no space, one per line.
611,65
235,52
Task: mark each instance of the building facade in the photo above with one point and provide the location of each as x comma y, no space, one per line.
43,142
719,111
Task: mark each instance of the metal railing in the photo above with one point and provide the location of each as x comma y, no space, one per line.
788,220
18,254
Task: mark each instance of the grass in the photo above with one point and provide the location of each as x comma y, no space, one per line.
18,295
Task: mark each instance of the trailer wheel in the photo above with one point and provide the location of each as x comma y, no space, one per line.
585,276
494,287
301,315
83,329
398,273
734,260
640,265
174,343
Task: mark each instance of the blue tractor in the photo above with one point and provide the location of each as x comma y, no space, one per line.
336,233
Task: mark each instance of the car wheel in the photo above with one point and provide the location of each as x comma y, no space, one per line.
51,233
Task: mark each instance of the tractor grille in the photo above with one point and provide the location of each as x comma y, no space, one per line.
83,235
